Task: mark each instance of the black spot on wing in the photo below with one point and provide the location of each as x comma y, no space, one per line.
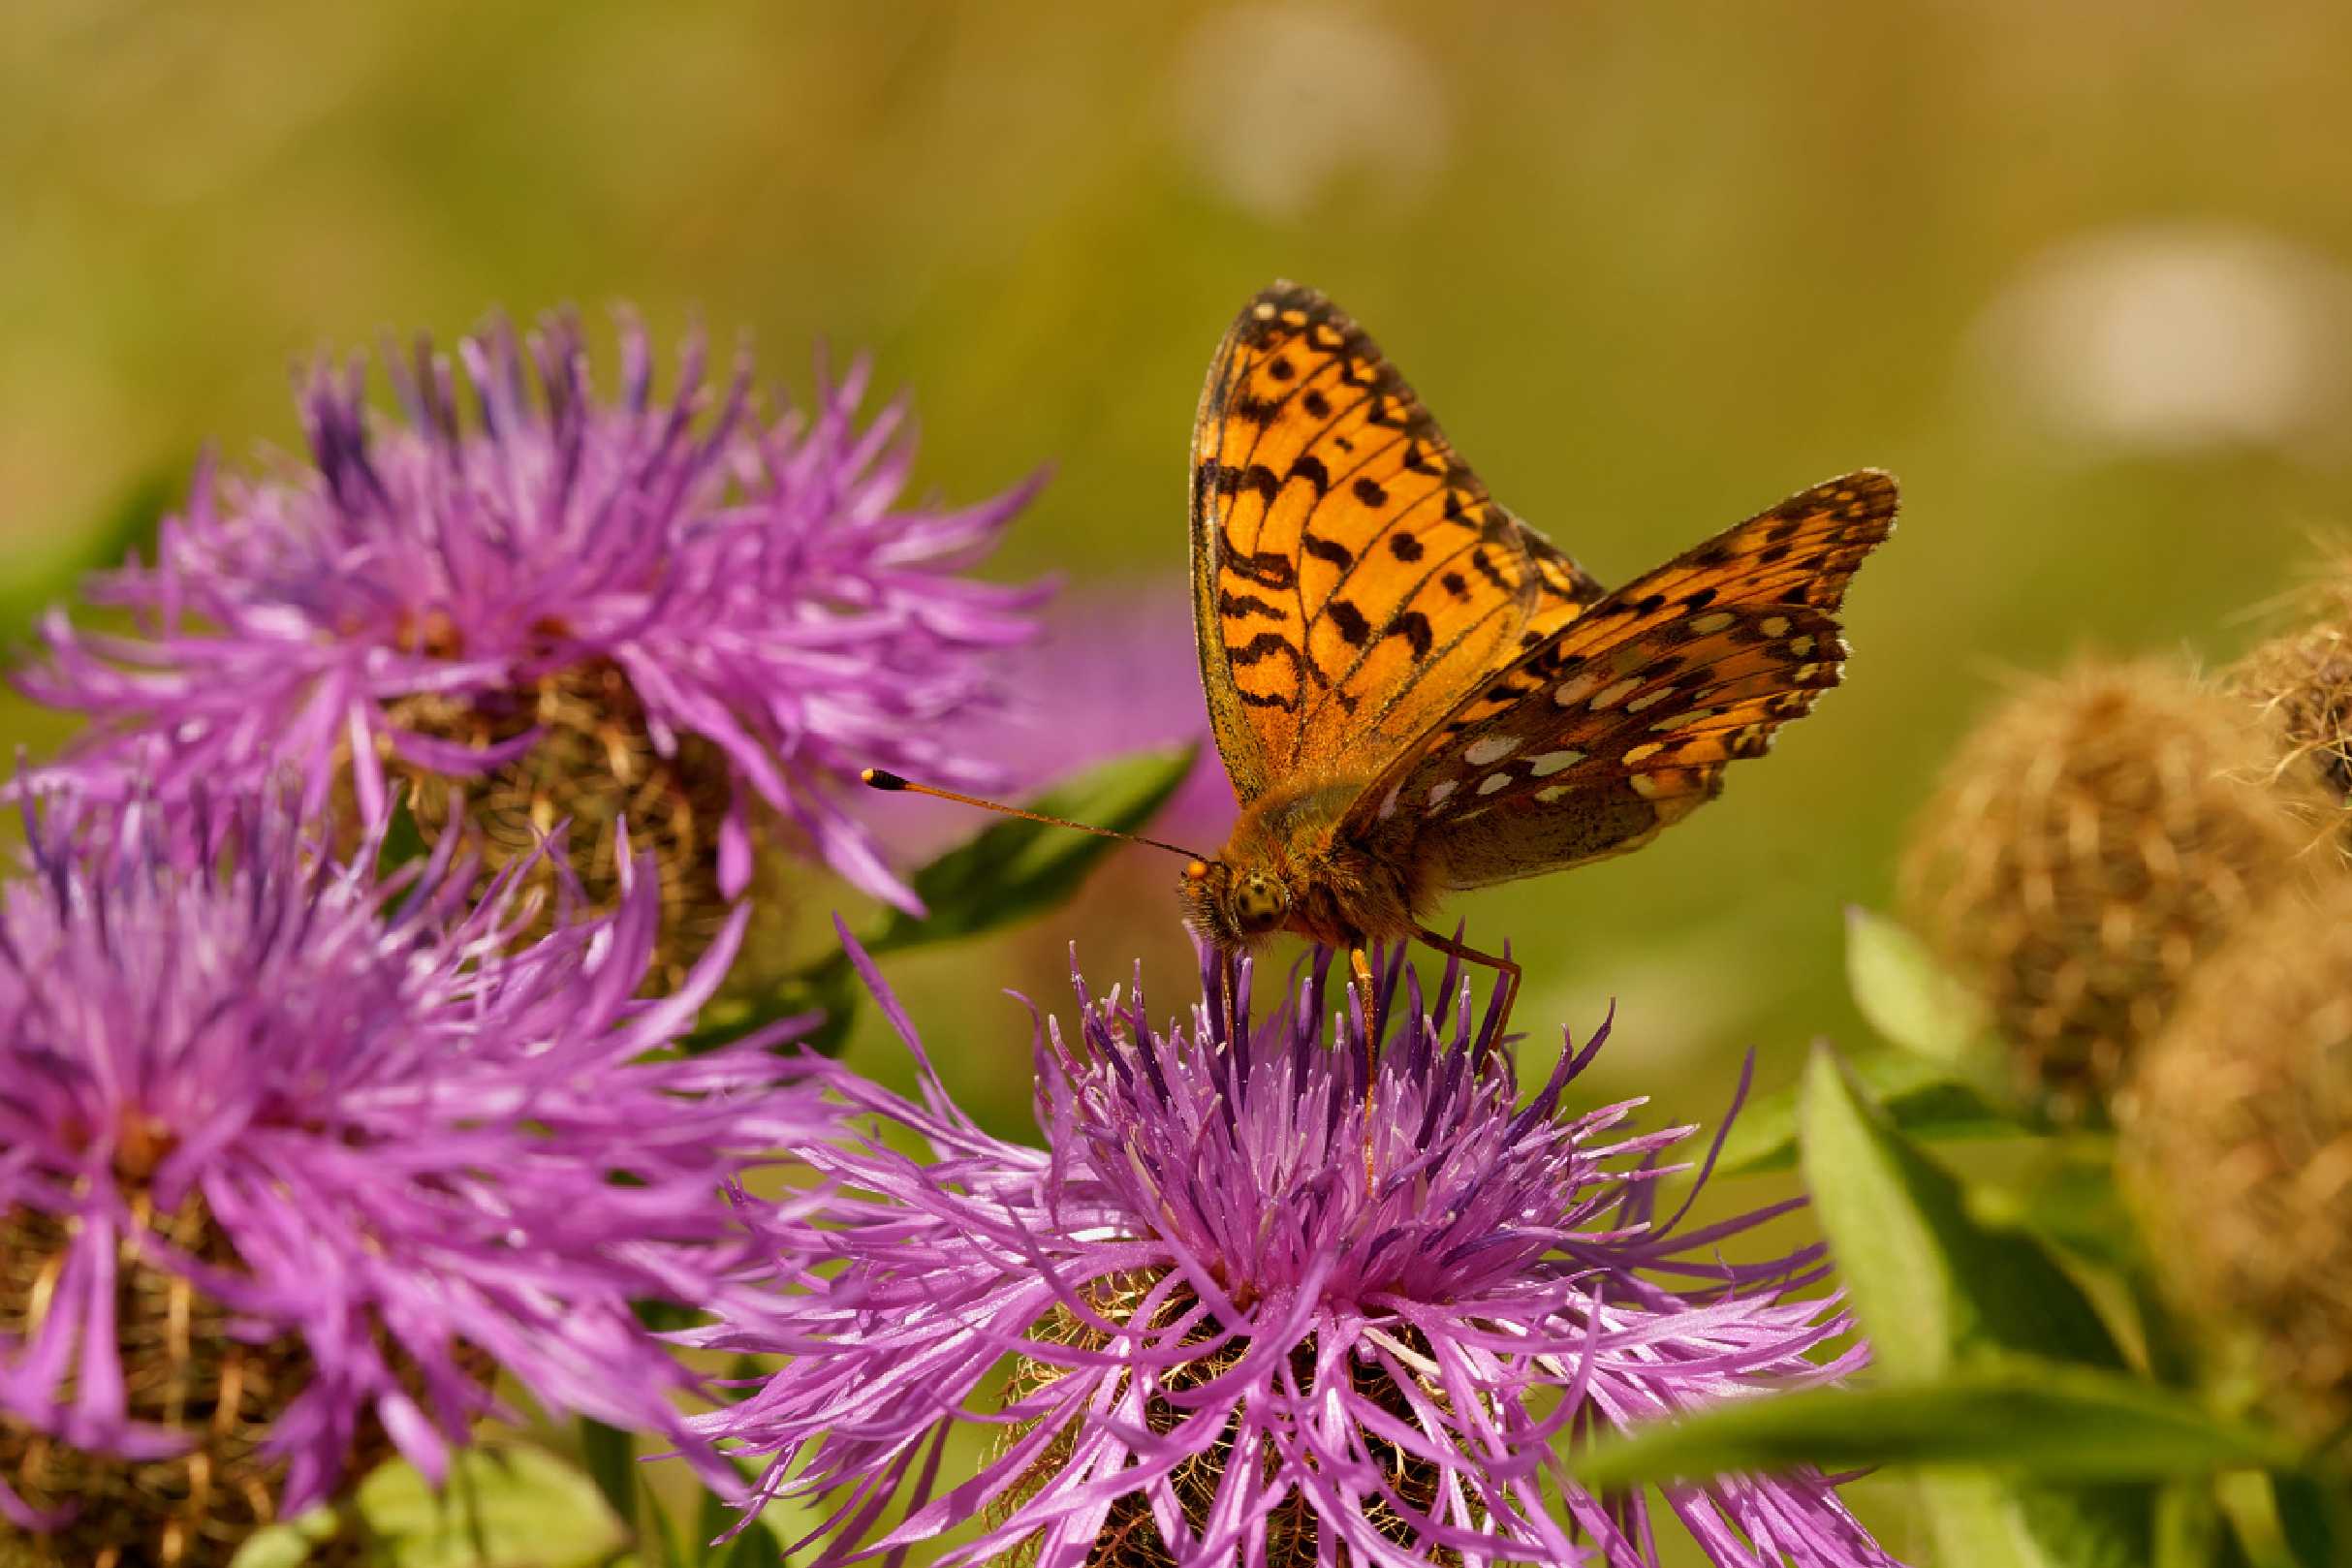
1230,604
1413,627
1264,646
1328,550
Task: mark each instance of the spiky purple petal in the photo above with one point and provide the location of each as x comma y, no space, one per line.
417,1133
1501,1263
758,581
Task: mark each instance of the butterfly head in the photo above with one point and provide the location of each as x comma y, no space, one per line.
1232,906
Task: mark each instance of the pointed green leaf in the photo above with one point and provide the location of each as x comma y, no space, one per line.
1906,995
827,990
1936,1289
756,1548
611,1456
2316,1518
713,1517
660,1533
403,840
2052,1423
1012,869
287,1544
1007,872
508,1504
1920,1096
1931,1285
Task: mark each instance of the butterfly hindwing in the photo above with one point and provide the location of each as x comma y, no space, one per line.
1622,721
1352,577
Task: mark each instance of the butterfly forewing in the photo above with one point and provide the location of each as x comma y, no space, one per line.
1621,722
1352,580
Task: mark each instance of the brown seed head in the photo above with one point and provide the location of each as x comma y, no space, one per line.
1129,1537
595,764
2094,838
185,1368
2237,1149
2302,683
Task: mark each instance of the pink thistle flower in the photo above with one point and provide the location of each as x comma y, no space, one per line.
1265,1313
295,1162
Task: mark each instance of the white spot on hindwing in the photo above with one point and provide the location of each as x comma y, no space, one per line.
1552,761
1439,792
1492,749
1617,693
1709,625
1493,782
1569,693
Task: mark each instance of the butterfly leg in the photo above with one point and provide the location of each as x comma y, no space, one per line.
1359,964
1506,967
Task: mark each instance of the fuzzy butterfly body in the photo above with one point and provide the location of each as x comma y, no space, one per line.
1415,692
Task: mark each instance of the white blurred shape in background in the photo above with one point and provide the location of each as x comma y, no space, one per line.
1273,103
2178,338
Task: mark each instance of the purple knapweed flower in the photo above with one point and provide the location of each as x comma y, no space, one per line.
295,1161
659,606
1264,1313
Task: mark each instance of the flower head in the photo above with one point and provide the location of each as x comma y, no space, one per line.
2097,836
2235,1134
1263,1312
294,1161
658,606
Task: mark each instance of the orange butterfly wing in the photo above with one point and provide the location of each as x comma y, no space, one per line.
1622,722
1352,579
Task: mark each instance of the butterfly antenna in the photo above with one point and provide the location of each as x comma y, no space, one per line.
876,778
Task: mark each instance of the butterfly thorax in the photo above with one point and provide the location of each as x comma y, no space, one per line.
1288,866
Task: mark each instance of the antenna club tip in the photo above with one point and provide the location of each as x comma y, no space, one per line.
878,779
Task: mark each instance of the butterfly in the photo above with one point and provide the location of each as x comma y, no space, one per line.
1415,693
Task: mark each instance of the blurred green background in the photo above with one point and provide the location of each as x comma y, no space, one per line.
2080,272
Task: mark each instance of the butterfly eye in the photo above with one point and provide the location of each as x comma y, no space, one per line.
1259,903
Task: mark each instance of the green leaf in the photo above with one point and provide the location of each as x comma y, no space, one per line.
290,1543
1012,869
713,1517
611,1455
1939,1291
403,840
508,1504
1906,995
757,1547
1933,1286
828,987
660,1534
1920,1096
2052,1424
2314,1518
1008,871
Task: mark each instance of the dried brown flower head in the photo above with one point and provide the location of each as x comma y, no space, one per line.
2237,1145
2094,837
